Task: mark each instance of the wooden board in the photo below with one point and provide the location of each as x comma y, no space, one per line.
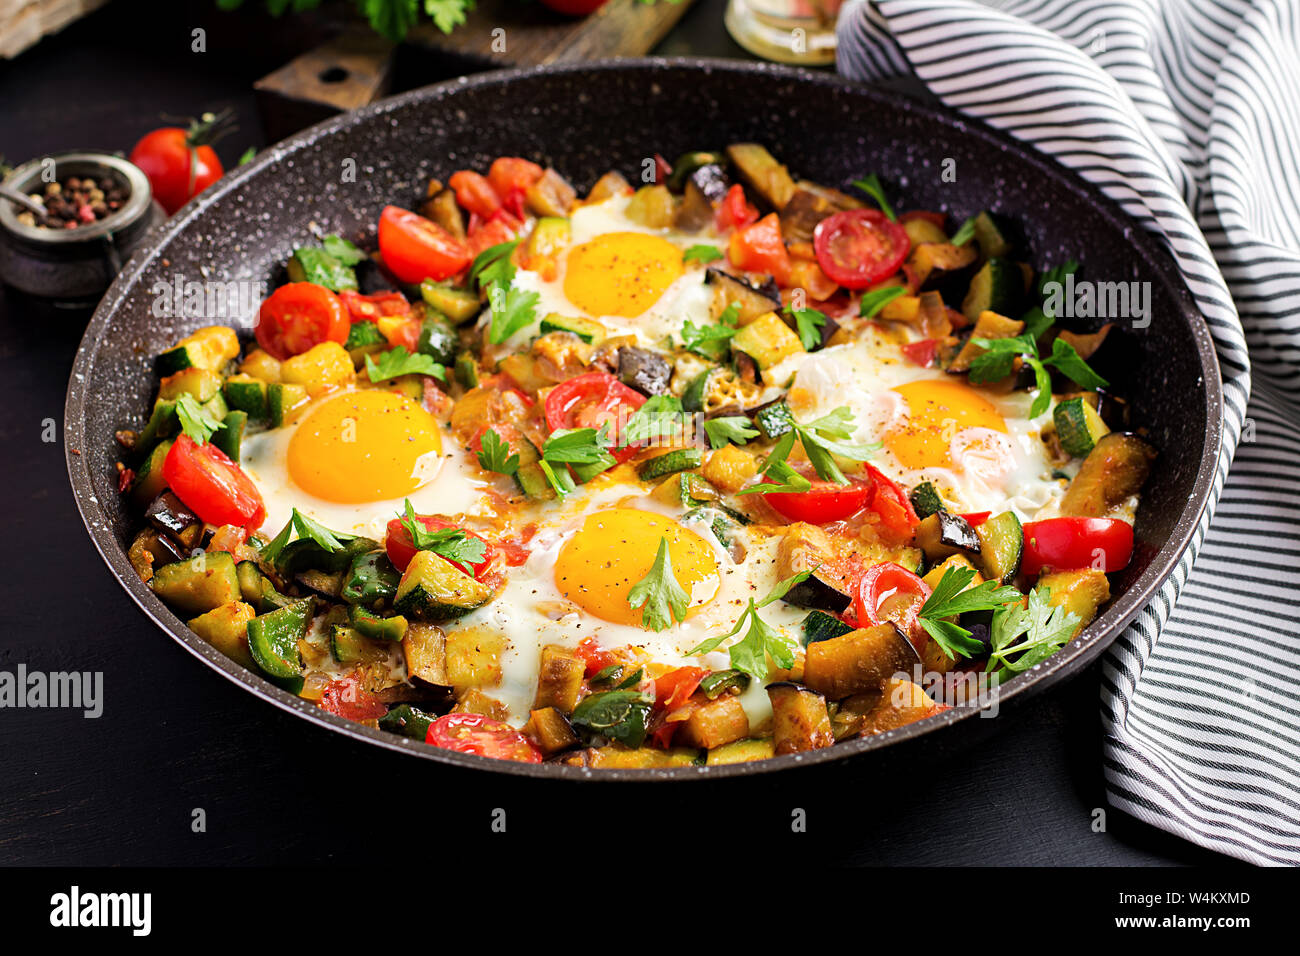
501,33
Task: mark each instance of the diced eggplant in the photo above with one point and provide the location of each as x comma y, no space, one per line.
443,209
551,195
695,211
712,182
552,730
943,534
425,648
807,547
943,266
170,516
687,164
859,662
607,187
1080,592
559,679
753,301
989,325
713,723
803,212
645,370
760,171
836,198
800,721
1116,468
901,703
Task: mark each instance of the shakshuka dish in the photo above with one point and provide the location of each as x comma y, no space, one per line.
715,467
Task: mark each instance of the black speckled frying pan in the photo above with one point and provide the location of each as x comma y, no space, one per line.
585,120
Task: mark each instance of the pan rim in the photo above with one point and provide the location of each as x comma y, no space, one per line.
1081,652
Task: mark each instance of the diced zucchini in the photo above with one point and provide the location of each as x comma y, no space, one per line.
149,482
226,628
742,751
474,657
943,534
199,383
925,500
651,206
714,723
679,459
408,721
904,308
347,645
550,195
316,265
210,347
273,639
250,578
934,263
1078,426
375,627
767,340
548,240
919,230
532,482
324,583
820,626
438,340
589,330
425,648
459,305
467,370
1080,592
992,241
321,367
774,419
230,437
433,590
162,424
800,720
198,584
1001,544
997,287
247,394
1116,468
281,400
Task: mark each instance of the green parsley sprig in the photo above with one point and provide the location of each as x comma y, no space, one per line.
823,439
750,654
871,186
304,527
196,421
1022,636
398,361
952,597
496,454
998,361
662,597
873,302
451,543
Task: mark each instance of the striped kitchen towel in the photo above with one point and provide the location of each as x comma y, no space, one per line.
1186,113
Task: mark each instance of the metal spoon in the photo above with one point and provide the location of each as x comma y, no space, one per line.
19,199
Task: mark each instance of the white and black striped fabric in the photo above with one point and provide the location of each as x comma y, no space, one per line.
1187,113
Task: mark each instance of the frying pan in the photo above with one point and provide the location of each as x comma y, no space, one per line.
584,120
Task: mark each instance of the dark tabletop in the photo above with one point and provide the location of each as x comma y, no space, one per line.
175,737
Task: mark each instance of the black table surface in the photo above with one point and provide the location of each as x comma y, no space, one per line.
175,738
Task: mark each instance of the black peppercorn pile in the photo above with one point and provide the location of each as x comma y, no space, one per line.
75,201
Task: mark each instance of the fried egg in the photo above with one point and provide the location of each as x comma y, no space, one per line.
350,459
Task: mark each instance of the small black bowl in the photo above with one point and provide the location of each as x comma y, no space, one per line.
71,268
586,119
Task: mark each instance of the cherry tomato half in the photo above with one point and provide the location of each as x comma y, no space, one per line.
398,544
891,504
890,592
1064,544
476,734
298,316
824,502
212,486
474,193
859,247
415,248
590,401
673,688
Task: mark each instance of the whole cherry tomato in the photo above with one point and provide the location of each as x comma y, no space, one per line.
180,163
298,316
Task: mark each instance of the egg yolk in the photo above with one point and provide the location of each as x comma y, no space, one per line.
368,445
621,273
937,411
615,549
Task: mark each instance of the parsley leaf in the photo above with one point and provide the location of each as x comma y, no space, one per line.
750,653
873,302
871,186
196,421
451,543
512,309
303,527
663,598
998,361
1066,359
493,264
660,417
827,437
952,597
342,251
577,446
965,232
809,323
447,14
398,361
1045,630
701,253
730,428
709,341
496,455
559,479
784,477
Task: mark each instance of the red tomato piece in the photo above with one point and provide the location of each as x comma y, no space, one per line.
178,163
512,174
475,193
760,248
212,486
1064,544
371,308
346,698
298,316
502,227
476,734
673,688
735,211
590,401
890,592
922,353
977,518
859,247
597,657
892,505
415,248
400,548
823,503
